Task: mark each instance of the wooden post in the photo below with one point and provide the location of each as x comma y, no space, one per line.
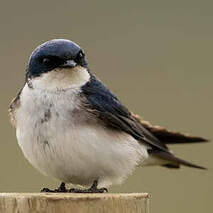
73,203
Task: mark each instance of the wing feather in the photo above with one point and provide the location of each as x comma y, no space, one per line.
113,114
168,136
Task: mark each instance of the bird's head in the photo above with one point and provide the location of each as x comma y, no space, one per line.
57,64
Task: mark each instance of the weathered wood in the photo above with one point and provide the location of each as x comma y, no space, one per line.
73,203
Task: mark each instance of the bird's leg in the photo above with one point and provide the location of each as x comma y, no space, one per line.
60,189
92,189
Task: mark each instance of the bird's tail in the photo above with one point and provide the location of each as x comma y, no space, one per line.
172,161
167,159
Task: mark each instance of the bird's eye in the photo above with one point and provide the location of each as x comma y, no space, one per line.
46,61
80,55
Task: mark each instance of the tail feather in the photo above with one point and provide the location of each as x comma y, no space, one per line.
169,137
173,161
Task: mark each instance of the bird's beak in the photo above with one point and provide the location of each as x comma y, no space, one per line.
69,64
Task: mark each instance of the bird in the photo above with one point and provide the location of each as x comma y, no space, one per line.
71,127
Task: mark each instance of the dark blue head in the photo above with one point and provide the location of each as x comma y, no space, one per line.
57,53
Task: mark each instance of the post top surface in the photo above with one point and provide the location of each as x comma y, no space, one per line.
77,195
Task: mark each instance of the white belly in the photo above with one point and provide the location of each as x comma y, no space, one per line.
55,139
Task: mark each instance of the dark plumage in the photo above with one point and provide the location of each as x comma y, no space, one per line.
53,54
167,136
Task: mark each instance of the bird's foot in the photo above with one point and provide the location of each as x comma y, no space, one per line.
63,189
60,189
101,190
92,189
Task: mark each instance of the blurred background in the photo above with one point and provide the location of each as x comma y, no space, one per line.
161,55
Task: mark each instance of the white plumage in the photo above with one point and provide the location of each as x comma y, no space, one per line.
58,138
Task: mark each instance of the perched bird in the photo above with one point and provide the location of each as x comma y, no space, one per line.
70,126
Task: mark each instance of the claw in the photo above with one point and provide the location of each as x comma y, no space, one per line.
92,189
47,190
60,189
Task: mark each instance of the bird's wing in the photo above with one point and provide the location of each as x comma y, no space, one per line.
109,109
14,105
167,136
114,115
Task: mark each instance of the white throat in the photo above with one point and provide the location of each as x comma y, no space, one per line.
61,79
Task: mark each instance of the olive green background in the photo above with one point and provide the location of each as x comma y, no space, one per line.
156,56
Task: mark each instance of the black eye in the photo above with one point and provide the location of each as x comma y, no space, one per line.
80,55
46,61
79,58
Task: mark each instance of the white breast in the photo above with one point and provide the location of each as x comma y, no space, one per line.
58,139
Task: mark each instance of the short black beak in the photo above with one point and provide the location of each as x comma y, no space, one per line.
68,64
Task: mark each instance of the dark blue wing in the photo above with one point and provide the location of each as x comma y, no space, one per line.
115,115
